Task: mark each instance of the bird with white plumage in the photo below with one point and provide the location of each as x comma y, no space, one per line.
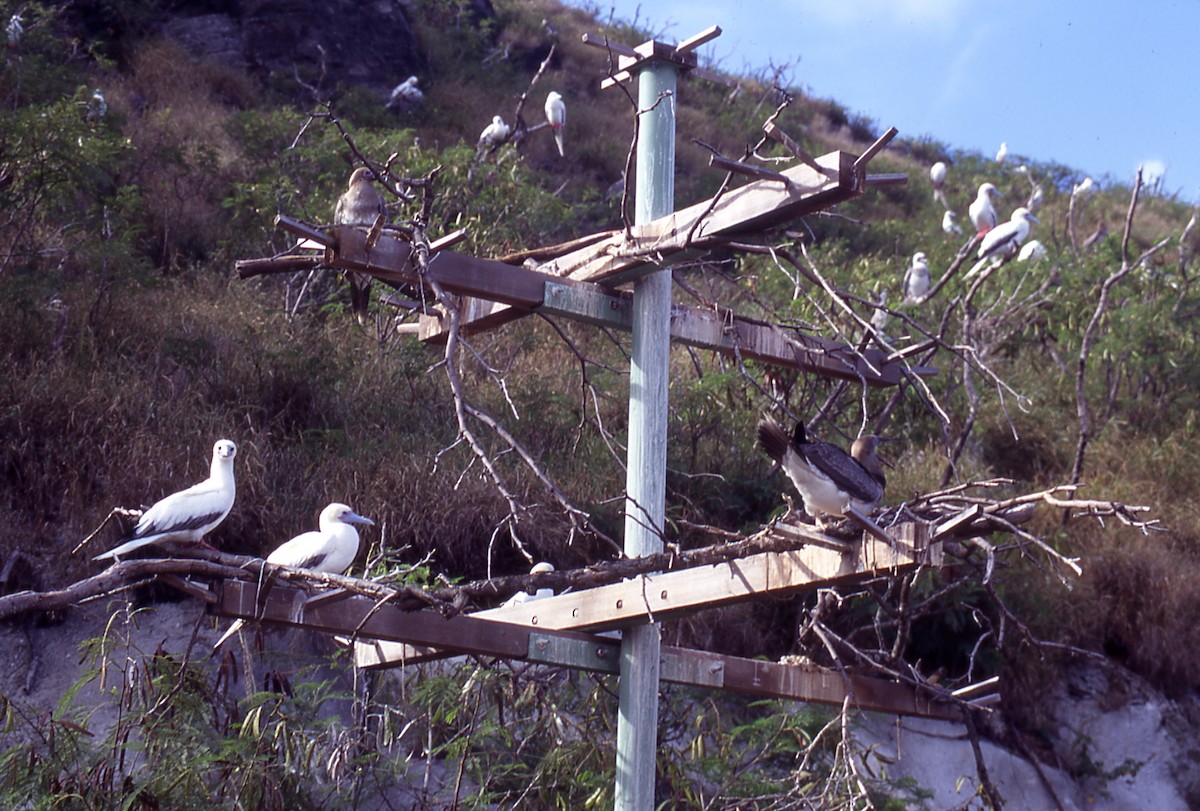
950,224
556,116
982,213
494,133
522,597
916,278
331,548
1031,251
405,94
1002,152
189,515
14,30
1003,240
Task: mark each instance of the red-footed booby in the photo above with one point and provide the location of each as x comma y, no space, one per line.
361,204
332,549
1031,251
1002,152
1003,239
937,174
494,134
949,225
190,514
406,94
14,30
556,114
916,278
981,212
522,597
829,480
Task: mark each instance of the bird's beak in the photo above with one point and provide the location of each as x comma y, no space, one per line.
1035,219
355,518
884,460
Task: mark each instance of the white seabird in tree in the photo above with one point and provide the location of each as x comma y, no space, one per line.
1084,188
14,30
189,515
1036,198
494,134
948,223
556,114
937,176
362,205
829,480
1002,152
97,107
981,212
1003,239
879,318
1031,251
916,278
406,94
522,597
331,548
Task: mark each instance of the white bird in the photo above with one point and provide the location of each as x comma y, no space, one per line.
1031,251
1085,187
937,174
495,133
522,597
879,318
331,549
1003,239
97,107
981,212
1002,152
1036,198
556,114
916,278
190,514
14,30
829,480
406,94
949,225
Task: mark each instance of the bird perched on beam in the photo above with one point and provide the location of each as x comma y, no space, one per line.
556,115
830,480
361,204
1003,240
331,548
981,212
190,514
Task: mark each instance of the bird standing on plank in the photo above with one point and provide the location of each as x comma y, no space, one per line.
829,480
190,514
361,204
1003,240
556,114
981,212
331,549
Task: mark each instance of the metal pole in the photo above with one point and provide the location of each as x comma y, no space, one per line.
637,721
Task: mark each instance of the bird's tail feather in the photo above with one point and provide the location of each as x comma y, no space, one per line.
773,439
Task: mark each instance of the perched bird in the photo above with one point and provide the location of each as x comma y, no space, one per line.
879,318
1036,198
1084,188
361,204
406,94
494,134
1002,152
331,549
190,514
97,107
522,597
14,30
937,174
556,114
916,278
949,225
1031,251
982,215
1003,239
829,480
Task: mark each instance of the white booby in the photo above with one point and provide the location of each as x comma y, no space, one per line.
406,94
1003,239
331,549
522,597
1036,198
879,318
14,30
1084,188
949,225
97,107
829,480
190,514
937,174
981,212
916,278
1031,251
494,134
1002,152
361,204
556,114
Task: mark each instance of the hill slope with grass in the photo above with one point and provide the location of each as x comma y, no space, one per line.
130,345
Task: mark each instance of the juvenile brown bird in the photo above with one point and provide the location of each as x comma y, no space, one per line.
361,204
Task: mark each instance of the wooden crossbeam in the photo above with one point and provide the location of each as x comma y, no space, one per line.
670,595
346,615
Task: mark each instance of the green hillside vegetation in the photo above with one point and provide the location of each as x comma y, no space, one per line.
130,347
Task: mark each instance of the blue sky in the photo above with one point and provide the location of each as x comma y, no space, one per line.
1099,86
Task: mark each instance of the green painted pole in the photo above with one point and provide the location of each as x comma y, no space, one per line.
645,505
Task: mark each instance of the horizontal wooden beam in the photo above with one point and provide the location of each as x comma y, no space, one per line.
346,615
